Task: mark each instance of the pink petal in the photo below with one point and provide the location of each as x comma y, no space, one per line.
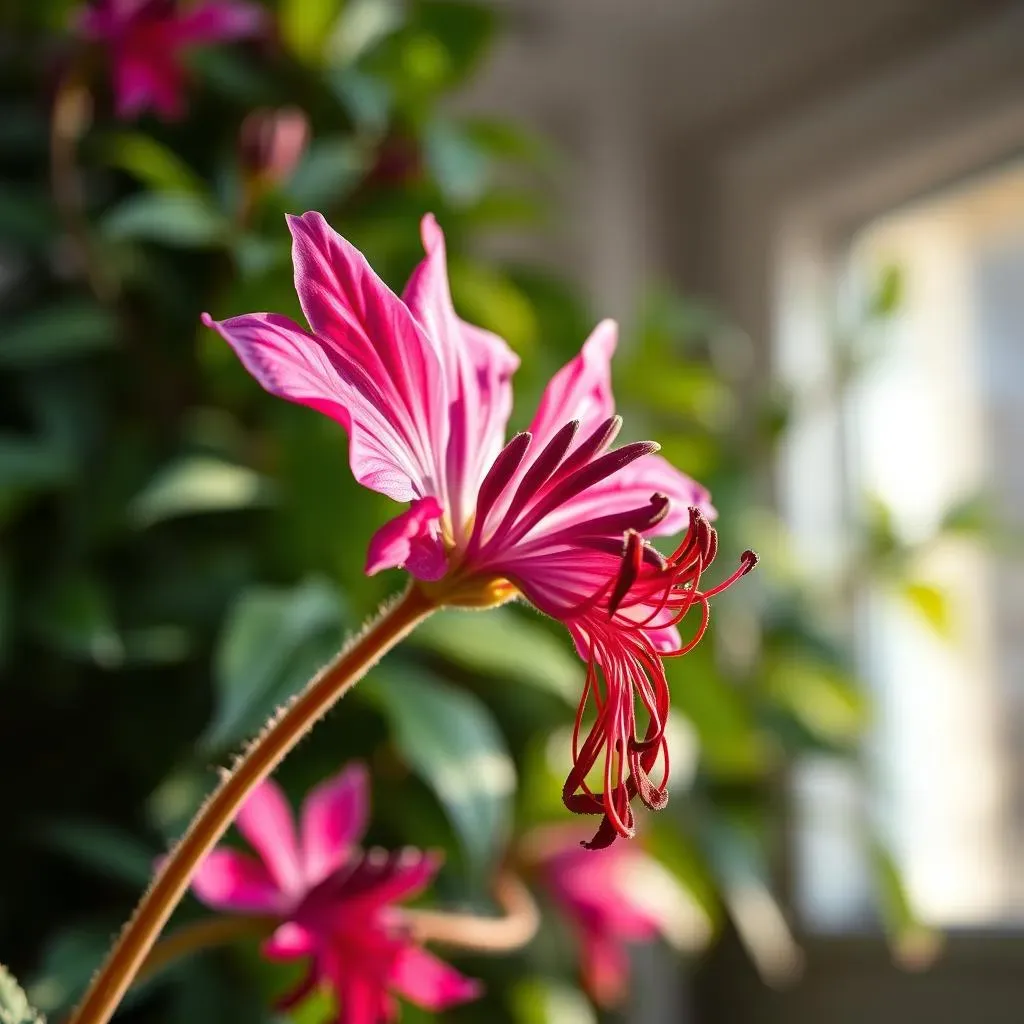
292,364
399,876
229,880
333,819
389,358
410,541
219,20
430,982
266,822
289,942
604,965
145,79
478,368
581,390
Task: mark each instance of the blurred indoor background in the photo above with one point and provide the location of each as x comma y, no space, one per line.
808,216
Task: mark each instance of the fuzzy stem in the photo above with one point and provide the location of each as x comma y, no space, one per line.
503,934
260,758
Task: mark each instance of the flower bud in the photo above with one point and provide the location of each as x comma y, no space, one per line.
271,143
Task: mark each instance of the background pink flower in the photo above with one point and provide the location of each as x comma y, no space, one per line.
145,41
335,903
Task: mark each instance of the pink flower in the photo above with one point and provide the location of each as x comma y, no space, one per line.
610,897
146,39
555,515
334,902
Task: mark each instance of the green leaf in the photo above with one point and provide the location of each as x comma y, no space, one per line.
198,484
71,328
76,617
914,943
330,168
28,466
306,26
103,849
888,294
362,25
14,1004
491,299
932,602
173,219
153,163
451,740
504,644
69,961
461,168
550,1001
825,700
274,641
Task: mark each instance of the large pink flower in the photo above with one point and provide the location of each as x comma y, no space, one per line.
555,515
335,902
146,39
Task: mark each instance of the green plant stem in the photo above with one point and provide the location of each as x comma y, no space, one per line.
261,757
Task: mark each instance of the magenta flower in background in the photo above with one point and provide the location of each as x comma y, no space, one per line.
335,902
555,515
611,898
146,39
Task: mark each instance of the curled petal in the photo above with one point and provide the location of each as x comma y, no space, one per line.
409,540
430,982
333,819
266,822
229,880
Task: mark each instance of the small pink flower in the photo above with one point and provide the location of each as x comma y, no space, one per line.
611,898
555,515
146,39
271,142
335,903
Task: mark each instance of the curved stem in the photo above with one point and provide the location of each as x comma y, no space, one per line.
261,757
204,934
483,934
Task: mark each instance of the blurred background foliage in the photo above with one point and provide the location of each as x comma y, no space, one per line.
181,551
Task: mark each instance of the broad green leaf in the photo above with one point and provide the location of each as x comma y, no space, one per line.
14,1004
363,24
464,29
549,1001
153,163
932,602
75,615
888,294
505,644
58,331
306,26
461,167
28,465
822,698
330,168
198,484
451,740
174,219
103,849
274,641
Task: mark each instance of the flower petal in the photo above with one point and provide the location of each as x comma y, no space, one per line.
604,965
229,880
292,364
478,368
333,819
266,822
581,390
389,359
146,79
218,20
289,942
430,982
410,541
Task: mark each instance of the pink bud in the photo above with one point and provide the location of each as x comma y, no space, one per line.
271,143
